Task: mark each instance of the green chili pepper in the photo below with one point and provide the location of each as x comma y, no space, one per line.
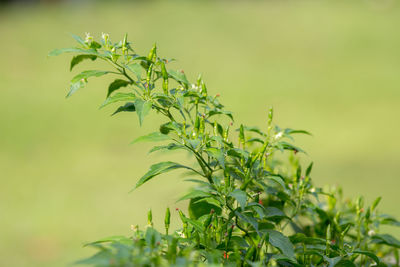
226,134
150,218
165,77
241,136
152,53
167,220
148,78
203,89
202,125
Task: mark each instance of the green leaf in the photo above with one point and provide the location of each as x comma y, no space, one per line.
195,194
117,238
345,263
386,239
178,76
80,80
136,68
291,131
171,146
152,137
128,107
78,39
118,97
240,197
198,208
209,200
57,52
78,59
158,169
281,242
218,154
309,168
367,253
115,85
142,109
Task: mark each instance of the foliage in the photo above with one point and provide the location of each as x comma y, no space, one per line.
252,204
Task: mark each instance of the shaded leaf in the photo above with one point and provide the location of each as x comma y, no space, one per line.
78,59
158,169
281,242
115,85
128,107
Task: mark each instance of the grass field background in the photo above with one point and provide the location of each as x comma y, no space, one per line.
66,167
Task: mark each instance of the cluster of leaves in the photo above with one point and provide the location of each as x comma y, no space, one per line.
252,203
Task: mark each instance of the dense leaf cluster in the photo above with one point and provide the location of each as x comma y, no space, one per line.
252,203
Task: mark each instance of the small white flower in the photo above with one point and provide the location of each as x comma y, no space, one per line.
278,135
371,232
105,36
88,37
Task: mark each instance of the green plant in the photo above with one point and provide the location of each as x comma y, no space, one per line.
253,204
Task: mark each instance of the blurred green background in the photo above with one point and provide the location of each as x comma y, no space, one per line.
330,67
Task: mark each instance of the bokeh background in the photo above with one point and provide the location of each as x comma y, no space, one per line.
330,67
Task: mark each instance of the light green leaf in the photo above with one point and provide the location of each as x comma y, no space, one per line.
80,80
136,68
178,76
218,154
158,169
118,97
115,85
194,194
240,197
152,137
57,52
78,39
142,109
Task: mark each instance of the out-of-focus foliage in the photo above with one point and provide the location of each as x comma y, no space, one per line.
250,207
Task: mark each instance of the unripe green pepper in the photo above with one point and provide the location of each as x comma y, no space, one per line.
167,220
152,53
241,136
202,125
150,218
165,77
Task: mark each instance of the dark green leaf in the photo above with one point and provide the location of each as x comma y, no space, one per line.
77,59
369,254
158,169
282,242
128,107
386,239
115,85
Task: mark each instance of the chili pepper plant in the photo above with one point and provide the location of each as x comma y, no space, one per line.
252,202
